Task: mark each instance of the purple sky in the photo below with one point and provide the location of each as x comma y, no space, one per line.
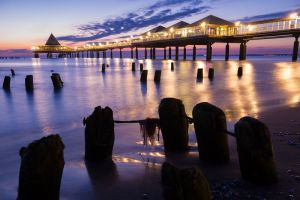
28,23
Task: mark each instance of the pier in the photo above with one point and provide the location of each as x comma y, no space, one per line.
182,35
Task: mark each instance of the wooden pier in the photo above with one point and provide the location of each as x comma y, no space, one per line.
207,31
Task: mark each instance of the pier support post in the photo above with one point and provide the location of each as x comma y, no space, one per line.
104,53
184,53
243,51
111,53
98,54
36,55
121,56
295,49
82,54
92,54
154,54
208,52
227,52
131,53
170,53
136,53
177,53
194,52
151,53
146,53
165,53
144,75
78,55
49,55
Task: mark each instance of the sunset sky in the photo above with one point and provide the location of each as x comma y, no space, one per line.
28,23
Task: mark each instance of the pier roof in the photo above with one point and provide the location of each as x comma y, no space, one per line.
52,41
156,30
178,25
211,19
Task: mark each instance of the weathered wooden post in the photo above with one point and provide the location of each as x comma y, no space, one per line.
56,80
200,74
141,67
211,132
240,72
6,83
172,66
133,67
12,72
144,76
211,73
29,82
99,134
42,164
255,151
184,184
174,124
103,68
157,75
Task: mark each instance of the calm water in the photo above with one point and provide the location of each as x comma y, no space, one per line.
266,83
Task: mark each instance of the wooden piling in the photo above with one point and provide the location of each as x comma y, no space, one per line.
240,72
144,75
141,66
255,149
6,83
99,134
211,132
157,75
56,80
42,164
172,66
211,73
200,74
12,72
174,124
133,67
103,68
29,83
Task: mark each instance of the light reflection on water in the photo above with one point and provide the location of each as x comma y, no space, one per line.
28,116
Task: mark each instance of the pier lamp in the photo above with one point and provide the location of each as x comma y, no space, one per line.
203,24
294,16
172,30
238,23
32,48
149,33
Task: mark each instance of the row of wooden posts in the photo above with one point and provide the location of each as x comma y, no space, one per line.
42,162
58,83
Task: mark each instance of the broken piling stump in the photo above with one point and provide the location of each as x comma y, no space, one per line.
56,80
200,74
6,83
184,184
144,76
172,66
12,72
141,67
255,150
29,82
41,169
174,124
211,73
211,132
99,134
240,72
133,67
157,75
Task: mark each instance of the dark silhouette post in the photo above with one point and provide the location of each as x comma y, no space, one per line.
295,49
29,83
157,76
151,53
177,53
111,53
144,75
146,53
121,56
227,52
211,132
154,54
174,124
200,74
184,53
165,53
255,150
98,54
208,52
243,51
42,164
6,83
136,53
131,53
170,53
36,55
194,52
